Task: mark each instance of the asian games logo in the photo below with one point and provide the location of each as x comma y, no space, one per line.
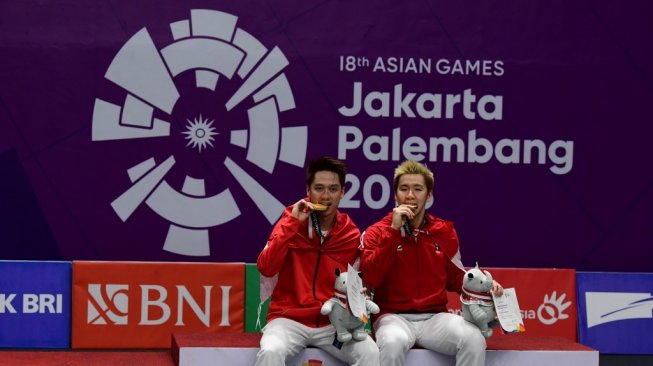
172,94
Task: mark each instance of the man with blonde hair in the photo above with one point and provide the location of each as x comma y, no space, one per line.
411,259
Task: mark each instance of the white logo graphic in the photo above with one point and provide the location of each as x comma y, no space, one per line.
200,133
32,303
605,307
552,309
107,304
207,46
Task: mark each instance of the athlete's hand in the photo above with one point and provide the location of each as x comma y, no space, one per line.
401,213
301,209
497,289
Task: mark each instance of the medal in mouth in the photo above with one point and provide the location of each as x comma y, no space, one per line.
319,207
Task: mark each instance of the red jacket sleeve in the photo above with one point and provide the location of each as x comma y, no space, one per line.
378,253
273,256
455,269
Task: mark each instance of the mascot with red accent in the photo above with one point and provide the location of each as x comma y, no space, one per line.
347,325
477,303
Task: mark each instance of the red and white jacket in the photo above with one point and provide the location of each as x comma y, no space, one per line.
411,273
306,268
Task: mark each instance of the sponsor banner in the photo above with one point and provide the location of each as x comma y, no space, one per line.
616,311
140,304
255,310
547,300
34,304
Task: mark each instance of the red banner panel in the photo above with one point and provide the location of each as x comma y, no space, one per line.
140,304
547,300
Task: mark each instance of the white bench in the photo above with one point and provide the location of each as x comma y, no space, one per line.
203,349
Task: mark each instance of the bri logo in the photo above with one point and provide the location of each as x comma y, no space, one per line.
605,307
31,303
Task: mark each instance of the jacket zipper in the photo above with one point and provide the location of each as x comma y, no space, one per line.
417,265
317,267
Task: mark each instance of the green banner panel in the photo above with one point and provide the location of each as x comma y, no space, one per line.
253,300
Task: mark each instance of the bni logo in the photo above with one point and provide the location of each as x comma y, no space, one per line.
206,49
605,307
108,304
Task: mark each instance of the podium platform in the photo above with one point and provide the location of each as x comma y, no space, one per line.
200,349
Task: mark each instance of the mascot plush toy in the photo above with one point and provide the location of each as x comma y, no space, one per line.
477,303
347,325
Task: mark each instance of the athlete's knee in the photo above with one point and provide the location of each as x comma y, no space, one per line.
393,341
392,348
272,351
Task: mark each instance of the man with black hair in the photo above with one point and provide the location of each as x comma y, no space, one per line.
307,244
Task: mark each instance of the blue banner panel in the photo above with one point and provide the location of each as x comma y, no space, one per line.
615,311
35,304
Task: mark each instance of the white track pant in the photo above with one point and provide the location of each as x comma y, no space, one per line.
284,338
446,333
